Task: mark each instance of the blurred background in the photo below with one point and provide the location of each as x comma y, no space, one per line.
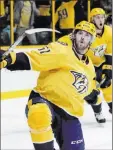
18,15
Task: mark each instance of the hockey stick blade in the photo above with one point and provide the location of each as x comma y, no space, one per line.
31,31
20,38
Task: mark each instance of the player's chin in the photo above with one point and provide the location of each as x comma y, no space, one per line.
82,51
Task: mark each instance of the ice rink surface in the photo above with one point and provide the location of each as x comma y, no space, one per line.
15,132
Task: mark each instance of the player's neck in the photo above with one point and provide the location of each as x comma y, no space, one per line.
99,32
78,55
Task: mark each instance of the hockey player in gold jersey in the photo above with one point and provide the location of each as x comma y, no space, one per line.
57,102
101,55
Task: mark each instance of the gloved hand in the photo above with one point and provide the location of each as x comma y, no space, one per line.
107,72
8,60
92,98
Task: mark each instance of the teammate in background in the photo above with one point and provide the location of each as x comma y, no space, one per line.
101,55
57,102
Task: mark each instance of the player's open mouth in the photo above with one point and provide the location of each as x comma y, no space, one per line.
81,42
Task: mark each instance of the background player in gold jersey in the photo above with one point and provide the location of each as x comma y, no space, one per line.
101,55
57,101
67,16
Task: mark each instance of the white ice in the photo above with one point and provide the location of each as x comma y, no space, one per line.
15,132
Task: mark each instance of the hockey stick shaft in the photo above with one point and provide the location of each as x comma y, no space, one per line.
101,82
19,39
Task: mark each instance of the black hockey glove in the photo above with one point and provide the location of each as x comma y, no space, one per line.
92,98
8,60
107,72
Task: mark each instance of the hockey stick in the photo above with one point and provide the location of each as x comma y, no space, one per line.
20,38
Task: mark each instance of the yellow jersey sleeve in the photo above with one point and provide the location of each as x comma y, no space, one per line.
47,58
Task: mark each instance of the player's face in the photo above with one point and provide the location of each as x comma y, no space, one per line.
82,41
99,21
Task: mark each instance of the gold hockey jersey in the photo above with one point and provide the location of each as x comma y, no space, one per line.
101,46
65,13
64,80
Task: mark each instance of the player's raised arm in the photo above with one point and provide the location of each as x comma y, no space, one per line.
49,57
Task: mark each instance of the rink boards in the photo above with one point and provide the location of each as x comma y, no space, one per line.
17,84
